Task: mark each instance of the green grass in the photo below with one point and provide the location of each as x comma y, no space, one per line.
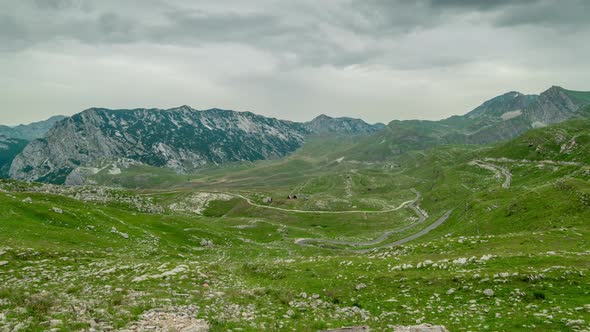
529,244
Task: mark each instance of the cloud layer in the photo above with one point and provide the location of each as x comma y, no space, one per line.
375,59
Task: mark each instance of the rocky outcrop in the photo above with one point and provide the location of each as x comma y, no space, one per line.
554,105
180,138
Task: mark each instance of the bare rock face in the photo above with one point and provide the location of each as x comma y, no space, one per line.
181,138
553,106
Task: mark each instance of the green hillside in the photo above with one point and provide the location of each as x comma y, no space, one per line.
568,141
509,257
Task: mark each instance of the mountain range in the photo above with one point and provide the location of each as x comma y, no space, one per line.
30,131
185,139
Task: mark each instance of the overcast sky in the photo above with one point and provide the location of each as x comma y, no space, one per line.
293,59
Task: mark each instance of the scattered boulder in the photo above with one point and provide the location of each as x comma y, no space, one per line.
57,210
2,263
350,329
488,292
267,200
420,328
124,235
174,319
360,286
28,200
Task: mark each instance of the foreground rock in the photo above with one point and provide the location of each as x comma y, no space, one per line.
178,320
350,329
421,328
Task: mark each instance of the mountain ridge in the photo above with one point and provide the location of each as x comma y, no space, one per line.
178,138
32,130
498,119
185,139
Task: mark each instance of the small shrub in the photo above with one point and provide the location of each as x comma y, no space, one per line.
38,304
117,299
333,294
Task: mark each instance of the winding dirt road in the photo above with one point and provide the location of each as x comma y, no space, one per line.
383,237
412,204
421,218
249,201
499,171
413,236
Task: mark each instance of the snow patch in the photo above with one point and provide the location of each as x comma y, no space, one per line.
511,115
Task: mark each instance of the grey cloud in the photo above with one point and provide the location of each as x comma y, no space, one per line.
13,35
569,13
270,55
59,4
479,4
339,33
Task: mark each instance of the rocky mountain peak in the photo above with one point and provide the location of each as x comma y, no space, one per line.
498,106
324,124
322,117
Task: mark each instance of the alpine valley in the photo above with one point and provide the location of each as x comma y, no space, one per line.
216,220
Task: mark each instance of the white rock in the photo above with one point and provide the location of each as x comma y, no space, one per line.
420,328
57,210
488,292
460,261
360,286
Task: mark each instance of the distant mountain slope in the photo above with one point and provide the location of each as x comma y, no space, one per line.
324,124
9,148
501,118
30,131
499,107
180,138
566,141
